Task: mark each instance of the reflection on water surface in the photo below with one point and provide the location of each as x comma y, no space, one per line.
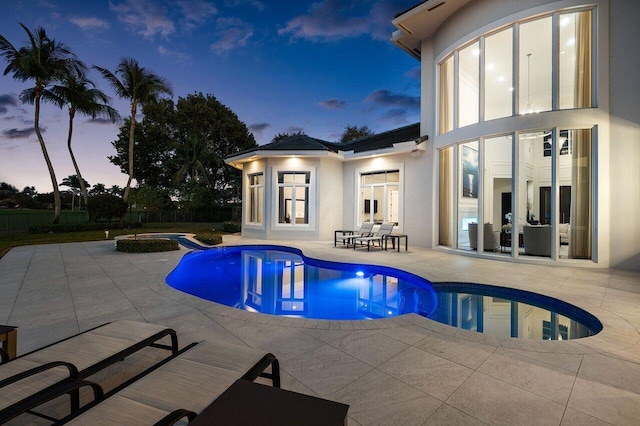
279,281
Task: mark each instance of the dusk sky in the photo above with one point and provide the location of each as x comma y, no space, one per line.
281,66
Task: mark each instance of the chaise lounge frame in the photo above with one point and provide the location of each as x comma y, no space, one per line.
180,386
35,377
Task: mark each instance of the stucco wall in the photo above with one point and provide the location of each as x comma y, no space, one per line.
624,90
616,115
416,215
330,195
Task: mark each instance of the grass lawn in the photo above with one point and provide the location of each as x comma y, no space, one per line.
7,241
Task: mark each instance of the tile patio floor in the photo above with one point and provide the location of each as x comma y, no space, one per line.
402,371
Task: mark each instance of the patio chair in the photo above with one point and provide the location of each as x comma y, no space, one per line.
385,229
62,367
347,237
182,386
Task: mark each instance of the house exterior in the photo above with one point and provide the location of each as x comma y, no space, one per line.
532,111
302,188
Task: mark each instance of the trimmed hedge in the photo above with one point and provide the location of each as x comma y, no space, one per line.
231,227
106,207
146,245
78,227
209,238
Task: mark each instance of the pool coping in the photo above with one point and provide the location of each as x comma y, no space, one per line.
617,334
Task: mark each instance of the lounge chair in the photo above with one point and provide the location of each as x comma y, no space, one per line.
385,229
347,237
182,387
61,368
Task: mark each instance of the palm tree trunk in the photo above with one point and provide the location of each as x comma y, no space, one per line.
83,189
56,192
132,128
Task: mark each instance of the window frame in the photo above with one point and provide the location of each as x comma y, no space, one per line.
392,167
312,201
252,209
555,16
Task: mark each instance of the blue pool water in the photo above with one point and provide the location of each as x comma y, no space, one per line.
282,281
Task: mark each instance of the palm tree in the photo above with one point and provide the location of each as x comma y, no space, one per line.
98,188
81,95
191,155
74,183
140,86
115,190
44,61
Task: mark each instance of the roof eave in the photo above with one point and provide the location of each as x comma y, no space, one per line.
238,160
421,22
407,147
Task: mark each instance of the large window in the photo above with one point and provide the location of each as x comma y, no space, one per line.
256,198
498,81
517,199
380,196
468,85
535,77
293,197
561,38
468,190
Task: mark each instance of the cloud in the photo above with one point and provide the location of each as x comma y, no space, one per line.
333,103
258,128
257,4
7,100
180,57
332,20
397,116
327,20
196,12
20,133
145,17
385,98
413,73
89,23
294,129
233,33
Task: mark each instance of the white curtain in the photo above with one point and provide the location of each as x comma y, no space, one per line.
446,96
581,181
583,59
446,198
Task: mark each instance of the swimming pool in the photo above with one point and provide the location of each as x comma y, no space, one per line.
282,281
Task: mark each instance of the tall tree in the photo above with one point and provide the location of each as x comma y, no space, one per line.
74,183
221,132
284,135
43,61
98,188
352,133
115,190
191,157
154,145
80,94
140,86
190,139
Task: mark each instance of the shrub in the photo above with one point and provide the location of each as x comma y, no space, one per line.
146,245
106,207
209,238
231,227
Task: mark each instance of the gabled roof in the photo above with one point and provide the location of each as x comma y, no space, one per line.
383,140
298,143
392,141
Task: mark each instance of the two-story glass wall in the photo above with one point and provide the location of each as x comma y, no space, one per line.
523,192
